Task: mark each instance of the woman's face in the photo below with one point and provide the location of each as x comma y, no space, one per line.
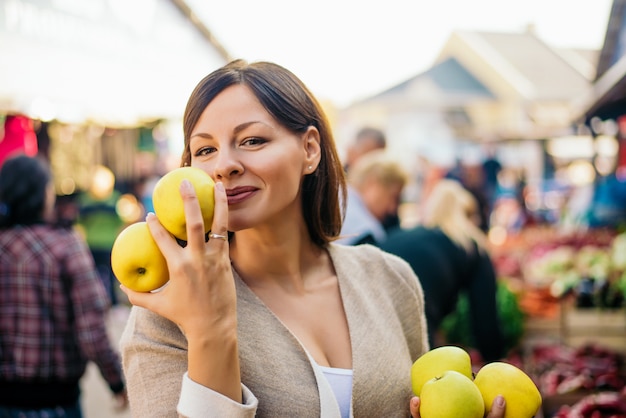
259,161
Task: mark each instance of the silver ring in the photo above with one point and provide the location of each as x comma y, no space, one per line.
218,236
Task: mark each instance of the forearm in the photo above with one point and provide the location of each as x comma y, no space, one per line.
213,361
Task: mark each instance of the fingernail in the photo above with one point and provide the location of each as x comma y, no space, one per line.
219,186
150,215
414,401
500,400
185,185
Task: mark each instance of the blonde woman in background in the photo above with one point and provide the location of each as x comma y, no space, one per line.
375,185
448,253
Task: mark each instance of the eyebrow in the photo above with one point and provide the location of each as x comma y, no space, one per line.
237,129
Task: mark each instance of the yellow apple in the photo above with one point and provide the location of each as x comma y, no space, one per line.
451,395
522,397
137,261
168,204
435,362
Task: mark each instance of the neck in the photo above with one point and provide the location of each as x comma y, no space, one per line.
271,257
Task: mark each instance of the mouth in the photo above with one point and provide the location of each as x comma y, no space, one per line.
239,194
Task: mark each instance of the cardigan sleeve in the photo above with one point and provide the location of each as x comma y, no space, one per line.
197,401
154,359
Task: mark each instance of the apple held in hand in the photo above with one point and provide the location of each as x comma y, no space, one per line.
137,261
451,395
168,204
523,399
437,361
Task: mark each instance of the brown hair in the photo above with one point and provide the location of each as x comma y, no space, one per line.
290,102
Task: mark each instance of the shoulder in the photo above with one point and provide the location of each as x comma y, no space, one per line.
57,239
381,286
364,253
368,260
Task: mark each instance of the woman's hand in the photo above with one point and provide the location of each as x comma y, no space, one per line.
200,292
497,408
200,296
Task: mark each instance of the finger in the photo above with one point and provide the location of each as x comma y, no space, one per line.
220,215
193,216
164,240
414,406
497,408
140,299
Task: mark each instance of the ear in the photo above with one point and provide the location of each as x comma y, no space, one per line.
312,150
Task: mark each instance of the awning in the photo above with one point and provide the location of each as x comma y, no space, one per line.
607,97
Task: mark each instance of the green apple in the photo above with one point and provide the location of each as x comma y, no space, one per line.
435,362
168,204
137,261
451,395
523,399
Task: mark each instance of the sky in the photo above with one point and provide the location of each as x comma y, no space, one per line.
347,50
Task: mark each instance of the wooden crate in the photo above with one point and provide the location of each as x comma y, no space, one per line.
605,327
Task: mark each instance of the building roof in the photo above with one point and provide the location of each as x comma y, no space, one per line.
449,82
525,63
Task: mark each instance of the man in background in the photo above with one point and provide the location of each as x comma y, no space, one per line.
375,185
367,139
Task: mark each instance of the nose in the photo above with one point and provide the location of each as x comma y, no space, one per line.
227,164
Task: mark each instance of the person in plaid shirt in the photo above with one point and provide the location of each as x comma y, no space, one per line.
52,303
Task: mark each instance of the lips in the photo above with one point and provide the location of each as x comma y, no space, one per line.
239,194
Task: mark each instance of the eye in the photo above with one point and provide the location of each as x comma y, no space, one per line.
203,151
253,141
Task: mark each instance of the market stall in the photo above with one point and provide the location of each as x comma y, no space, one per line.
570,288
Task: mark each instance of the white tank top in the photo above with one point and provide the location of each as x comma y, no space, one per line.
340,380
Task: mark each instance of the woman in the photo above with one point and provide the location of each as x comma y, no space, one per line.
448,253
274,320
52,303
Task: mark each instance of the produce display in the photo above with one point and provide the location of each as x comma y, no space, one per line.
597,405
136,260
547,266
587,381
443,379
571,289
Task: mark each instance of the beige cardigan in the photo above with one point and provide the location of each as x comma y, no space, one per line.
385,310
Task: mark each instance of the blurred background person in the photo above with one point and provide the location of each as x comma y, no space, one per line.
17,136
375,185
448,253
369,139
52,302
100,223
366,140
469,172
